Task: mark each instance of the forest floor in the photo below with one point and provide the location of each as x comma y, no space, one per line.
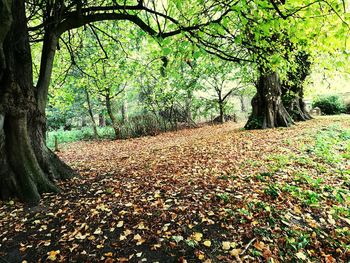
212,194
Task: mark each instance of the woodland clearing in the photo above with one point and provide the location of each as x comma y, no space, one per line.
212,194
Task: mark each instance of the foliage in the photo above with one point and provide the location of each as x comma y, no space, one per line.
330,104
347,107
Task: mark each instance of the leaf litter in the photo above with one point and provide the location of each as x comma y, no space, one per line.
212,194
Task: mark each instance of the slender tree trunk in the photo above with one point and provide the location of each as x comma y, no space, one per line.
221,112
94,126
188,102
112,117
124,111
241,99
101,120
268,110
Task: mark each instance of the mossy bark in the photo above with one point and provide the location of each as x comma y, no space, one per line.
296,108
268,110
27,167
113,118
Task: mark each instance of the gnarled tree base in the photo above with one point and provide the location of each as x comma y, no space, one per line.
268,110
296,109
21,174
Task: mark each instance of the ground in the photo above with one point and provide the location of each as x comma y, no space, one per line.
212,194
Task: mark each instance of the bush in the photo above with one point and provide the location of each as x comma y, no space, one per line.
330,105
348,107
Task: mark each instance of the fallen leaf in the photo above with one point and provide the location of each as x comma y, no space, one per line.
207,243
301,255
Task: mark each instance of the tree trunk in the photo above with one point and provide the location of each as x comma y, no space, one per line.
27,165
268,110
188,105
101,120
221,112
241,99
124,111
112,117
293,99
293,91
94,126
295,106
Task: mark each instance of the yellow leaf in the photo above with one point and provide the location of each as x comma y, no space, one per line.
233,244
235,252
301,255
297,210
52,255
120,224
226,245
141,226
254,223
137,237
109,254
197,236
200,256
98,231
140,242
127,232
207,243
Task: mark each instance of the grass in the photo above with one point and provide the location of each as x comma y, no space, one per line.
83,134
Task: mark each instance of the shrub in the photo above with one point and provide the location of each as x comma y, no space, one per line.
330,105
348,107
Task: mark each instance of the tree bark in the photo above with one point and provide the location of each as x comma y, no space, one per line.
27,165
101,120
268,110
94,126
296,107
221,112
293,91
112,117
124,112
241,99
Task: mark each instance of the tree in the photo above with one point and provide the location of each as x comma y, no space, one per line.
28,168
225,79
293,89
257,33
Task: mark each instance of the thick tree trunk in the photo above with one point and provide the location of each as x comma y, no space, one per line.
295,106
27,165
293,91
113,118
268,110
293,100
